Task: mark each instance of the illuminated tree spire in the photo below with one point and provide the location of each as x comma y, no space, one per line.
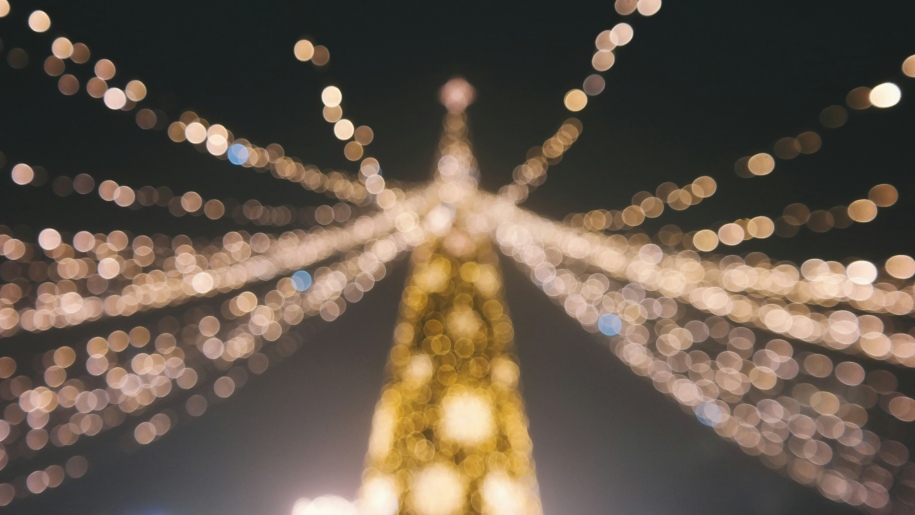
449,435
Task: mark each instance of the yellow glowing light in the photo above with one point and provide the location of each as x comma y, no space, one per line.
344,129
705,240
62,48
575,100
331,96
467,418
437,490
304,50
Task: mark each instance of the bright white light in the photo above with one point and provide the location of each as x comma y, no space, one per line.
467,418
378,497
324,505
437,490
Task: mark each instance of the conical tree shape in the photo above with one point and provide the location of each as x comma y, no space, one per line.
449,435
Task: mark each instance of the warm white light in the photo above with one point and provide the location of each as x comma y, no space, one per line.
467,418
456,95
324,505
437,490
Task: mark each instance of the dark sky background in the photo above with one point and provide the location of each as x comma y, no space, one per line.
702,84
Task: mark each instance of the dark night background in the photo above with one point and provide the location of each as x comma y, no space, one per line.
702,84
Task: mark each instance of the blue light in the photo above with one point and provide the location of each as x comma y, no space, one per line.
237,154
301,280
609,324
709,414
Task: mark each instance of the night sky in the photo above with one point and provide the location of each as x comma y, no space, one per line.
702,84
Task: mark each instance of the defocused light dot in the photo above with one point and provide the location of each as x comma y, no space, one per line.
649,7
49,239
301,280
332,114
730,234
908,66
603,60
709,414
456,95
859,98
17,58
115,98
833,117
135,90
861,272
594,85
862,211
575,100
761,164
705,240
22,174
53,66
237,154
304,50
68,84
625,7
62,48
621,34
195,133
344,129
353,151
104,69
884,195
364,134
885,95
96,87
4,8
224,387
39,21
324,505
321,56
900,266
80,53
609,324
331,96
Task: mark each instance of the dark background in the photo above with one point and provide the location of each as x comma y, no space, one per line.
702,84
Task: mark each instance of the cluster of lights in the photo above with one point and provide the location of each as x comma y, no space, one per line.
532,172
809,142
800,411
249,212
126,372
793,218
646,206
188,272
215,139
449,434
882,96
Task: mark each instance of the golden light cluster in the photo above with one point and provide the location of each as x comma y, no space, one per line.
795,364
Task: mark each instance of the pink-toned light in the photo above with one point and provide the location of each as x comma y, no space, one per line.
456,95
